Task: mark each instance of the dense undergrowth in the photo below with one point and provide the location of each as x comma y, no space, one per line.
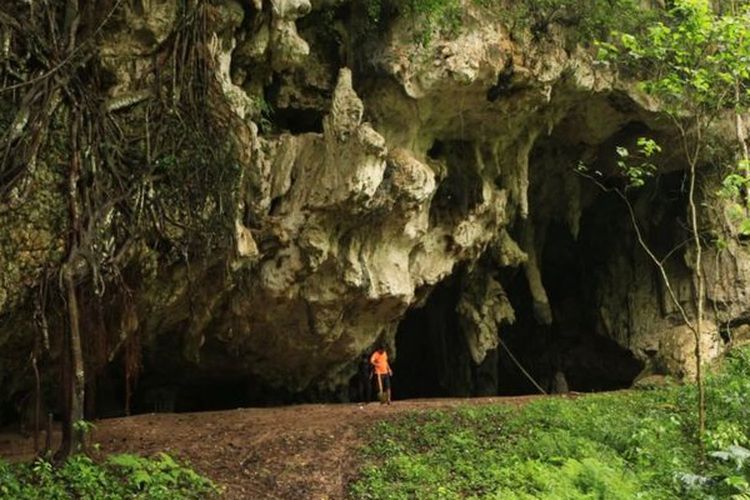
589,20
120,476
632,444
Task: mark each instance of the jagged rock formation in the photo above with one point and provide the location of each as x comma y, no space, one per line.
386,169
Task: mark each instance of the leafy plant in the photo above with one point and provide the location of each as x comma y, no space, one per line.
433,16
264,114
83,426
638,167
121,476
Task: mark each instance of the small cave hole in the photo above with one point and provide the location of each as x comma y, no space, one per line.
436,150
462,188
504,84
298,120
275,205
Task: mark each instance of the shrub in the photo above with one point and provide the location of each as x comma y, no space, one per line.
121,476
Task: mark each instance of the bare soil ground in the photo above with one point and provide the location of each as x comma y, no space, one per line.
305,452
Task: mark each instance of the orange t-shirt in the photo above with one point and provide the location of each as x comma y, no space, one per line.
380,362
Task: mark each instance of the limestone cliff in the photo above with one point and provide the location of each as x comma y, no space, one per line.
362,170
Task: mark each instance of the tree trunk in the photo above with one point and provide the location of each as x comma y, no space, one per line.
37,398
77,381
698,263
66,377
73,367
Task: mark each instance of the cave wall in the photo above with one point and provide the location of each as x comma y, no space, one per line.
389,166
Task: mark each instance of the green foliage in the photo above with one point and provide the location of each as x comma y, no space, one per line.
697,63
692,60
83,426
734,192
122,476
374,10
638,167
635,444
434,15
263,114
588,20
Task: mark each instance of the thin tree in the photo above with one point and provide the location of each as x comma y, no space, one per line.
695,63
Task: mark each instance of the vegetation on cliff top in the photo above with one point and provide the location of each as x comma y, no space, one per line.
587,20
637,444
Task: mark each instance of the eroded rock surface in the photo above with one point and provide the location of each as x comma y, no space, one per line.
428,161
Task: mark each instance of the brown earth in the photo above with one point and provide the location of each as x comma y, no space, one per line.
305,452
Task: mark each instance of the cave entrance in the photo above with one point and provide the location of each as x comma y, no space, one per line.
570,354
432,357
596,282
170,383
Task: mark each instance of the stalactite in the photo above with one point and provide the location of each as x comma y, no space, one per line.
542,310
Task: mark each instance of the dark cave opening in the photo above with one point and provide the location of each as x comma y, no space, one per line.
175,384
570,354
169,383
298,120
188,389
432,357
578,271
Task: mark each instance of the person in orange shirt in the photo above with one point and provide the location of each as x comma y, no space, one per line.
383,372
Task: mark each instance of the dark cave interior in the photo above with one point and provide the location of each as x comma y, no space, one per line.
433,358
570,354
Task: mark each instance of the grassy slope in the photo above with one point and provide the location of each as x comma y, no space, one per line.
635,444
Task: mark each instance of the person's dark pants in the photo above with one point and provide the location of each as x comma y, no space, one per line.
385,385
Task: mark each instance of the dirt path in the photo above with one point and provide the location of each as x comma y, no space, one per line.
304,452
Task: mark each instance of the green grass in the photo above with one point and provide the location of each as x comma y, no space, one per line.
635,444
120,476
